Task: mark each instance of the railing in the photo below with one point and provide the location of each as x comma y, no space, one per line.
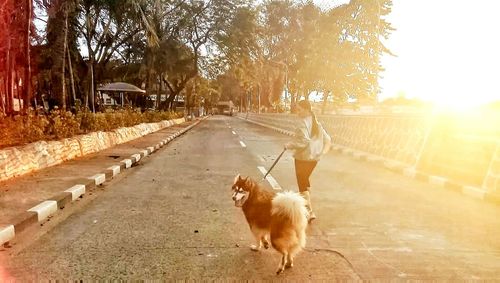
464,149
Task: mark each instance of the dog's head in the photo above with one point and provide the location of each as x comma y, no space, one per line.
241,190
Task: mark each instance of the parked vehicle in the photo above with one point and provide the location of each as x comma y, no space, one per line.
225,107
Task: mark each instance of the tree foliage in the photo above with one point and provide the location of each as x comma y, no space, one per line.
204,49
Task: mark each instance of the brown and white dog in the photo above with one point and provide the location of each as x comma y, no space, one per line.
280,218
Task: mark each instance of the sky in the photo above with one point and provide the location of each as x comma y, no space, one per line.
447,51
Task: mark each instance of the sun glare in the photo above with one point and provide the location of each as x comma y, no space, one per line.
457,101
442,58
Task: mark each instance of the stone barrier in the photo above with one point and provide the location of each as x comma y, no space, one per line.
20,160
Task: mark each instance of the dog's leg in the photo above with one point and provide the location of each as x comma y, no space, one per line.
281,266
289,263
258,234
265,242
256,247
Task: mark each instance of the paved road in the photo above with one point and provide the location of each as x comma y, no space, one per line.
172,217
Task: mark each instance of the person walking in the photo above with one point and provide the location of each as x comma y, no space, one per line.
311,141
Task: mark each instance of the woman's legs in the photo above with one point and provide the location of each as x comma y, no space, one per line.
303,170
307,196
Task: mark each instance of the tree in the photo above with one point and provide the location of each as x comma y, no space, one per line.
15,45
8,25
106,26
238,51
364,27
198,25
169,45
57,43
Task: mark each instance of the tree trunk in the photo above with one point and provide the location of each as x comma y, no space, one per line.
63,71
170,100
2,97
71,79
293,98
90,73
9,83
56,42
325,101
92,92
158,97
27,69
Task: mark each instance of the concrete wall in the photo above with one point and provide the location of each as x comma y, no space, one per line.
16,161
464,149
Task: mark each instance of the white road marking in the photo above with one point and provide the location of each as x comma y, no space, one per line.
269,178
243,144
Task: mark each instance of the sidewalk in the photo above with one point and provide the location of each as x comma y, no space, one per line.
32,198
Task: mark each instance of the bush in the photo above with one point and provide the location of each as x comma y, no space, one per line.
63,124
34,126
59,124
87,121
9,131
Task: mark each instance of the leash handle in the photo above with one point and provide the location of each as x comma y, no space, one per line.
274,164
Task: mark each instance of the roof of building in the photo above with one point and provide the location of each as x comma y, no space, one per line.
120,87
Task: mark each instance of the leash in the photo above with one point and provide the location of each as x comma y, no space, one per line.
274,164
313,250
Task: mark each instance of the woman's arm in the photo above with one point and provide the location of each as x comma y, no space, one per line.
301,138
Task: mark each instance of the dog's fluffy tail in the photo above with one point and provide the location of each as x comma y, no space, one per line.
291,206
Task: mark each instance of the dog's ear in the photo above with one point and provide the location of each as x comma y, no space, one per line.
237,178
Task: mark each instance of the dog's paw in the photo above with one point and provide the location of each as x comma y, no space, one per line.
254,248
289,265
266,245
280,270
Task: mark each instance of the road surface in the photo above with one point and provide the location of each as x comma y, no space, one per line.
172,217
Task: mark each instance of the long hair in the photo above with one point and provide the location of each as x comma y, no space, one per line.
307,106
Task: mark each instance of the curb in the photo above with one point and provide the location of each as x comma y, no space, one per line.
403,169
285,132
46,209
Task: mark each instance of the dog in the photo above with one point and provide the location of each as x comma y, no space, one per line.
279,218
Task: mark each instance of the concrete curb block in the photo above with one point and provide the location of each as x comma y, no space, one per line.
135,158
112,171
126,163
76,191
436,180
47,208
99,179
7,234
62,199
402,169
